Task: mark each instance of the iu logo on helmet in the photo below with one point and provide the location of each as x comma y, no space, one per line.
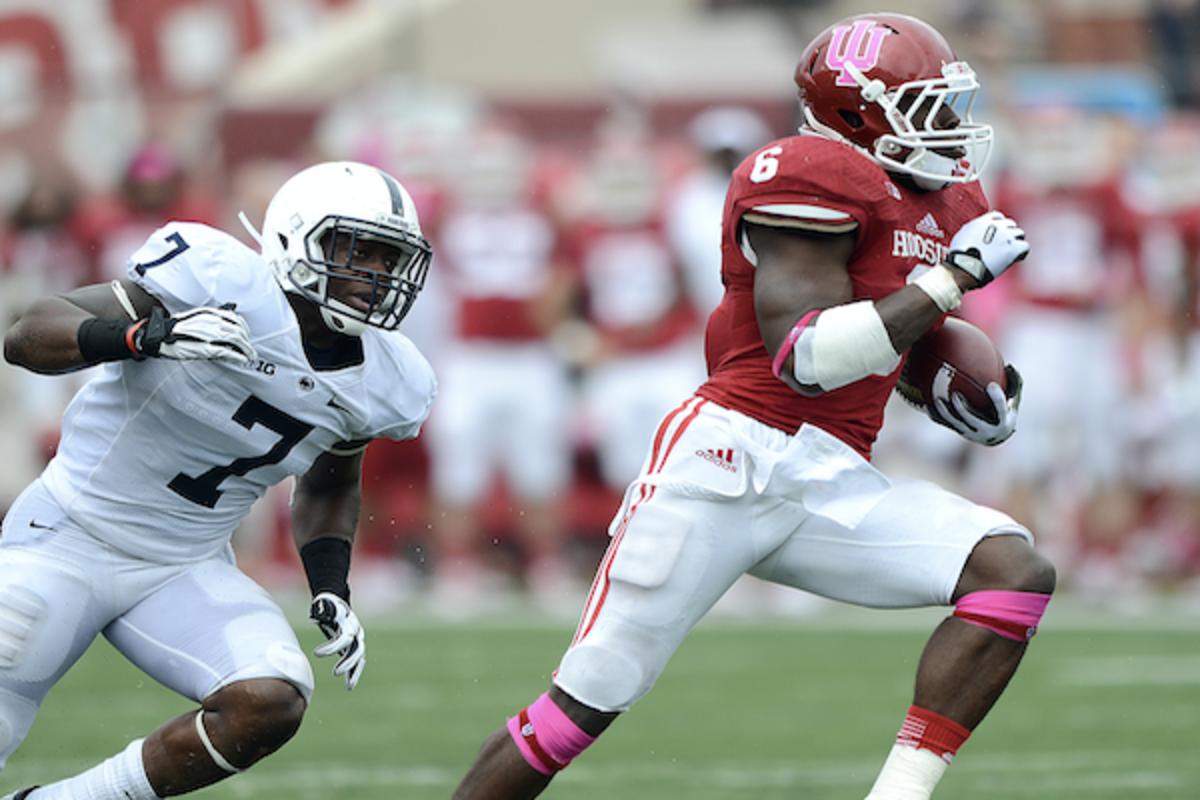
858,45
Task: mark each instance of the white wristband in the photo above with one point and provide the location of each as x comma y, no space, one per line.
939,284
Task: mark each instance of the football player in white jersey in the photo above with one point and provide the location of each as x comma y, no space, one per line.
223,371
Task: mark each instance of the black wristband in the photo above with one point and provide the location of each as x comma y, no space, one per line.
327,565
104,340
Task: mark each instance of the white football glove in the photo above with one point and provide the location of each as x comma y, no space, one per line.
987,246
341,627
211,334
965,422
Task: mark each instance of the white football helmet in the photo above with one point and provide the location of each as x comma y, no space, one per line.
346,202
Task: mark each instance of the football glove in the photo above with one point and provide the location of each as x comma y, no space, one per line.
955,414
345,633
213,334
987,246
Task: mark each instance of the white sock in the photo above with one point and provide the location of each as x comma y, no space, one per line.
122,777
908,774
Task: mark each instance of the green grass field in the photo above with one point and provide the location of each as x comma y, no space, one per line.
801,709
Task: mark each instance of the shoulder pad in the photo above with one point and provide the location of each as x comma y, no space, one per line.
187,265
808,182
401,386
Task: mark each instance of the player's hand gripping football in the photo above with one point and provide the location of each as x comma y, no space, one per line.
341,627
954,413
987,246
212,334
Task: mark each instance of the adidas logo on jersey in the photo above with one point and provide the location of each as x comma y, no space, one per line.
719,458
928,226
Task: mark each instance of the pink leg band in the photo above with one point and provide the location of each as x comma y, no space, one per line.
546,737
789,341
1013,615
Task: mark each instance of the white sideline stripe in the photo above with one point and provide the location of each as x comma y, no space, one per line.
1132,670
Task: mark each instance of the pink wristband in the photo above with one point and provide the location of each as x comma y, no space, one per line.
789,341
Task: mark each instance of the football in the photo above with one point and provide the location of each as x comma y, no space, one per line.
961,353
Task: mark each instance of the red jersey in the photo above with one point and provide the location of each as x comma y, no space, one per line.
818,184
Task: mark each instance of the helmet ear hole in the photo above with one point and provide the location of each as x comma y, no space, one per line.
283,242
851,118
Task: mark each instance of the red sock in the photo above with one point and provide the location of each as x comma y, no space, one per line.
931,731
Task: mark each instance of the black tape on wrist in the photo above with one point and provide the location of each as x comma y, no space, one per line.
327,565
102,340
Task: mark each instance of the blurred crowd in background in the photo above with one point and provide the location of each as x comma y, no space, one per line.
569,165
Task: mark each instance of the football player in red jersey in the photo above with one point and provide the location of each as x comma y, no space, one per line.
841,247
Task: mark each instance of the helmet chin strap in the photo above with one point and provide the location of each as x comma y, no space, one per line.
250,229
932,171
336,318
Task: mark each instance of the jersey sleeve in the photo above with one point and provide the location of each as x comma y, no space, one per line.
805,183
188,265
402,391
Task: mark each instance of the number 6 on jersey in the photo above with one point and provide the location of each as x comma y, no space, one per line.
766,165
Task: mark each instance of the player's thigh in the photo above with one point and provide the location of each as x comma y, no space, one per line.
50,609
209,626
908,551
670,559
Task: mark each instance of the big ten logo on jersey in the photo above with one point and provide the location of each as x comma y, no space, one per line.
265,367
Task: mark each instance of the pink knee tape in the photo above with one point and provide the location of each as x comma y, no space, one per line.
546,737
1013,615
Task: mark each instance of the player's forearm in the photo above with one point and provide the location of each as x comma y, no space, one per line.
831,347
45,339
908,314
323,523
325,514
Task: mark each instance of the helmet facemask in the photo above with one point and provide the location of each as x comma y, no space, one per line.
916,147
336,275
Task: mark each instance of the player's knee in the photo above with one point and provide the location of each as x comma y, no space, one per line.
1026,570
260,715
1036,574
1005,588
1007,563
606,678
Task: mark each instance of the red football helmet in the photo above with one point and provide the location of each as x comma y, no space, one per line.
887,83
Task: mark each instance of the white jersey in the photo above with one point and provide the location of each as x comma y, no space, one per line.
163,458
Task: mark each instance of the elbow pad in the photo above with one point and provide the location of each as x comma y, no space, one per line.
841,345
